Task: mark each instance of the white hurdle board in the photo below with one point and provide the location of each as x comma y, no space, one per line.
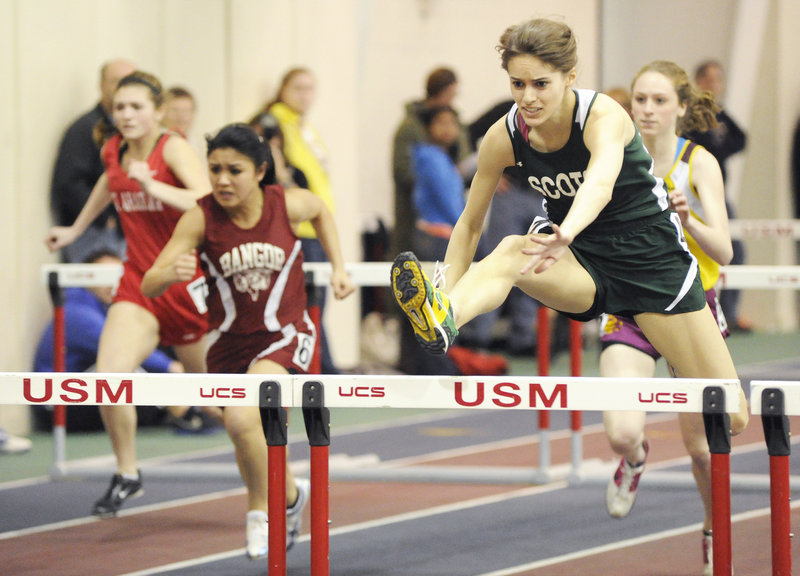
137,389
791,395
505,392
519,392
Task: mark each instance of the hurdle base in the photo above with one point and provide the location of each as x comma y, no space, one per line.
166,471
454,474
591,473
655,479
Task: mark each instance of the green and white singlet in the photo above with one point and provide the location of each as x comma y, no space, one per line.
635,249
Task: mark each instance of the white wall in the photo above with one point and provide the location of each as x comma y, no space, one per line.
635,32
369,57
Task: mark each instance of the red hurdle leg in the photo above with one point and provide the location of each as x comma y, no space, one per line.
59,365
276,510
543,341
576,366
776,434
275,424
317,421
721,513
781,516
543,356
320,497
717,425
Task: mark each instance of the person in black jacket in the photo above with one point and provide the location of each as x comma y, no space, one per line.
723,142
78,167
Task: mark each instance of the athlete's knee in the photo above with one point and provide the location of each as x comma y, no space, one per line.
739,421
701,457
511,246
623,439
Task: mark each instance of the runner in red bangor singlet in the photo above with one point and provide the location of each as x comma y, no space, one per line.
255,286
244,236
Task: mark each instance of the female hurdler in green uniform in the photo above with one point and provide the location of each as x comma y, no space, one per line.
615,246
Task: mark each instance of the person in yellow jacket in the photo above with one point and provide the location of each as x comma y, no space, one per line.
306,152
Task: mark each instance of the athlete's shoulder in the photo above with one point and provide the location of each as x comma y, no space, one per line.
498,141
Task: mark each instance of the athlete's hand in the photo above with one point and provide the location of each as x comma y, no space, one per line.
680,204
342,284
547,250
140,171
185,266
59,236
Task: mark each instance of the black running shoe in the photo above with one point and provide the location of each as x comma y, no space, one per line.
120,490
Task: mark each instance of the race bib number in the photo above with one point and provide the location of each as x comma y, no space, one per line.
198,290
304,351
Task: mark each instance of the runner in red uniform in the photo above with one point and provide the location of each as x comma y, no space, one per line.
152,176
244,236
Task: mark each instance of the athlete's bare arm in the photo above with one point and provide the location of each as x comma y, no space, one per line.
494,156
302,205
177,261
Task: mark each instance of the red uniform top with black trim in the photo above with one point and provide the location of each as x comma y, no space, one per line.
255,275
146,221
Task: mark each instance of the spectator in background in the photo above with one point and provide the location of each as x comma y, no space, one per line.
267,126
438,202
85,312
304,149
622,96
179,110
78,167
441,89
723,142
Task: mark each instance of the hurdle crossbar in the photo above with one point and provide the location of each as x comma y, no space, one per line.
760,229
377,274
374,391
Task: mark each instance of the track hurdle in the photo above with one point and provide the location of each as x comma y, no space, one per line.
713,398
775,401
272,394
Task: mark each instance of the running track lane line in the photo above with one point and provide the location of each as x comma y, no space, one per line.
511,571
122,513
370,524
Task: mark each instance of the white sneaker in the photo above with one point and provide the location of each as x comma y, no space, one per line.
10,444
257,534
708,554
294,514
621,489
